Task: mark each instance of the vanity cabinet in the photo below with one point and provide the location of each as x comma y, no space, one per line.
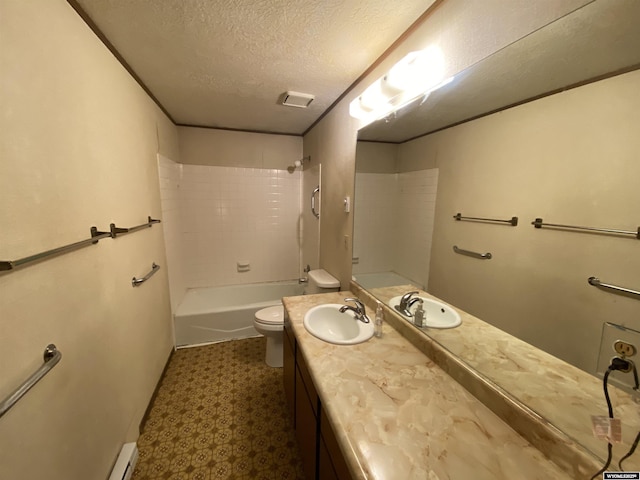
306,428
330,454
289,371
319,449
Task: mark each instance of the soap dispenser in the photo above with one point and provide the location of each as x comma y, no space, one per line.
419,318
378,321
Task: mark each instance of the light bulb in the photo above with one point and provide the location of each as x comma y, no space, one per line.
374,98
418,71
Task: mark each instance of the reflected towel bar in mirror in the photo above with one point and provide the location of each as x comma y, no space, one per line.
538,223
135,282
597,283
469,253
51,357
513,222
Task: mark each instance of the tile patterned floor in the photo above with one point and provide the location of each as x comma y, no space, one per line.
220,413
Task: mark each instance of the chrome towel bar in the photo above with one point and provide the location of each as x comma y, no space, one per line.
469,253
51,357
117,230
135,282
95,237
313,201
597,283
513,222
538,223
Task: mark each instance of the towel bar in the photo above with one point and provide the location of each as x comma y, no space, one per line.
51,357
513,221
597,283
118,230
469,253
95,237
538,223
136,282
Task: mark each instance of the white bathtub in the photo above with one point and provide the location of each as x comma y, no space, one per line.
214,314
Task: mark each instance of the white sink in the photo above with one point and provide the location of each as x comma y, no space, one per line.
438,315
327,323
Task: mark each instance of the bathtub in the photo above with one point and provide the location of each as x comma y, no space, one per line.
382,279
214,314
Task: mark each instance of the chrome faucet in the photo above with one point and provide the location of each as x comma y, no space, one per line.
406,302
359,310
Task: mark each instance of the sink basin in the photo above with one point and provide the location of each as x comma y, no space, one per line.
438,315
327,323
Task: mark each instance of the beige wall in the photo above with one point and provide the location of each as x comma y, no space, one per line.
333,144
376,157
570,158
78,148
227,148
467,31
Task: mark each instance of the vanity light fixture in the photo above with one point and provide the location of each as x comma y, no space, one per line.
417,74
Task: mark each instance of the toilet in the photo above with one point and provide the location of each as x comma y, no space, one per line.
270,321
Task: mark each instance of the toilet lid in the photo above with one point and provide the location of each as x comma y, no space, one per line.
272,315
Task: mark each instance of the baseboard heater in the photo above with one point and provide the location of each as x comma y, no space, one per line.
126,462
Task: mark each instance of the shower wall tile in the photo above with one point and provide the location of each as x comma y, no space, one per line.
229,215
389,205
416,211
170,175
374,226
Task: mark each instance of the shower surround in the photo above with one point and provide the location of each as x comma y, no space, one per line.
388,205
216,217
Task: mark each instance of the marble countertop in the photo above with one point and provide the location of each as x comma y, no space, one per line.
561,414
397,414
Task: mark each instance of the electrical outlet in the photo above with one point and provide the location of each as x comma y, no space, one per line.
625,349
618,341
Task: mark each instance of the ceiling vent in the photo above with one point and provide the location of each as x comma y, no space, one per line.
296,99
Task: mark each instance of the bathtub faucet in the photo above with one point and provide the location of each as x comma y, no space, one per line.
359,310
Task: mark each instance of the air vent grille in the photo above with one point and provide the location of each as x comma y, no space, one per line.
297,99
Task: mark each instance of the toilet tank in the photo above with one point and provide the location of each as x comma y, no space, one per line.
321,281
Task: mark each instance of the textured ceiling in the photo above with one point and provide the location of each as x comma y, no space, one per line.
225,63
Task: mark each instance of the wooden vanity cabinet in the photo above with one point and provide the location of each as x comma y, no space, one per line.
319,449
306,429
289,370
332,454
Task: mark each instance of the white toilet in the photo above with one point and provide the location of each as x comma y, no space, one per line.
270,321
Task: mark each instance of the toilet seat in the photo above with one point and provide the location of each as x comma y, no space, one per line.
271,315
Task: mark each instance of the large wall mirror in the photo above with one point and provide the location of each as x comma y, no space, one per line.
569,158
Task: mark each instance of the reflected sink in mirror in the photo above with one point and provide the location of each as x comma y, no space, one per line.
437,314
327,323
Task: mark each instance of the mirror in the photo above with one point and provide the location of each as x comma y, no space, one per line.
569,158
